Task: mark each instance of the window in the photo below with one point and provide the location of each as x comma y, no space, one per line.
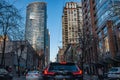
100,35
106,44
101,46
105,30
64,67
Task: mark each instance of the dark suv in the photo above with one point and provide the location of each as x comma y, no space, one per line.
62,71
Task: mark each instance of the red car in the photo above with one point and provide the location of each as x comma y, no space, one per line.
62,71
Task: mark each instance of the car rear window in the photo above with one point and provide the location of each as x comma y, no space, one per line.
63,67
113,69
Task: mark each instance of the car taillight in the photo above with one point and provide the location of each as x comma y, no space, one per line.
46,72
62,62
78,72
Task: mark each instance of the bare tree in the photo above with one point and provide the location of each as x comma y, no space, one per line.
88,45
10,20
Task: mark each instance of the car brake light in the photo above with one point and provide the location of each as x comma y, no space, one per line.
46,72
78,72
62,62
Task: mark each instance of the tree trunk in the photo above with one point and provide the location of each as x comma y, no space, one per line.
18,67
3,52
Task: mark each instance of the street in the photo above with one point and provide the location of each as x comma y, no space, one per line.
86,77
19,78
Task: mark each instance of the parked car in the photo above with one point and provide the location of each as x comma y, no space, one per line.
62,71
5,75
114,73
33,75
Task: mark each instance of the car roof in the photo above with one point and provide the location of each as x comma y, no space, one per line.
66,63
112,68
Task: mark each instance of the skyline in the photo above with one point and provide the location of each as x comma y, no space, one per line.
54,20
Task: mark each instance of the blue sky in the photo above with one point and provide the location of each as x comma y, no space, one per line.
54,20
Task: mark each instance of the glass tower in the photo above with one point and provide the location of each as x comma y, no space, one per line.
107,10
36,24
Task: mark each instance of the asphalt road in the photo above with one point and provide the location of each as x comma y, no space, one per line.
86,77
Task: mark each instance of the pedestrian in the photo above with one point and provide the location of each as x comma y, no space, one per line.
100,74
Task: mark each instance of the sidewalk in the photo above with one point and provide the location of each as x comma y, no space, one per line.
90,77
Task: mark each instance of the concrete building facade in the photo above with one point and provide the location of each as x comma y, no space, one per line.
60,55
21,50
89,24
71,23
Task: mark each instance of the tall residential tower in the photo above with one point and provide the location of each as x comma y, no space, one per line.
71,23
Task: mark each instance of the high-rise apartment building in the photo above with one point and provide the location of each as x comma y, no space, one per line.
89,15
89,24
36,24
71,23
101,17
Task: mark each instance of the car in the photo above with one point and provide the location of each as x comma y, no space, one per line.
5,75
114,73
62,71
33,75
